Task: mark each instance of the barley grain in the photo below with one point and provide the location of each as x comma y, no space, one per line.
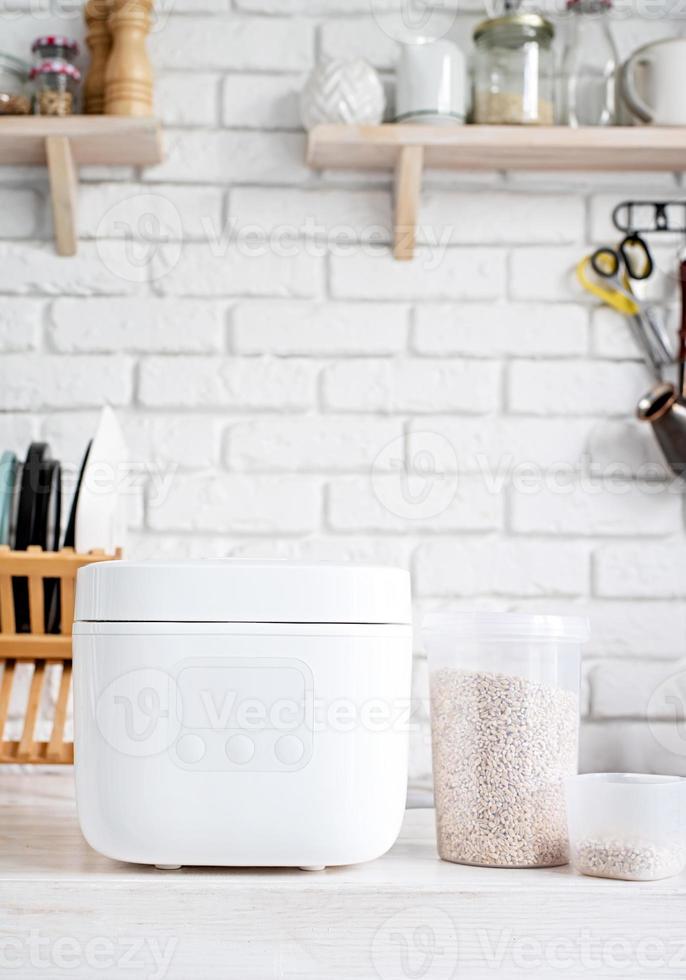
502,746
629,860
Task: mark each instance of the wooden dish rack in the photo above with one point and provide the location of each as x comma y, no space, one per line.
38,649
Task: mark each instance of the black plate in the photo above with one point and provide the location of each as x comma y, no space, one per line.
70,533
48,523
38,523
31,478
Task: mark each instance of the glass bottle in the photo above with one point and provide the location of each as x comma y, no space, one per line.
589,67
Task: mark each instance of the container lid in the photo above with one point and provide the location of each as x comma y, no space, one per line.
500,626
56,67
55,41
533,22
235,591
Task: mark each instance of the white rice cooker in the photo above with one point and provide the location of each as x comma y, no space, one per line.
241,713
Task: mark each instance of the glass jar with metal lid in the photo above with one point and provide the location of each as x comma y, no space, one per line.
514,73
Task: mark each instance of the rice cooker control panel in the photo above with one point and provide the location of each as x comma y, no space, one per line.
243,715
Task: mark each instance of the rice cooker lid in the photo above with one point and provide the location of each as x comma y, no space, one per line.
235,591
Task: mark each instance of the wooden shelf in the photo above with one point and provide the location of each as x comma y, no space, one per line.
407,150
65,143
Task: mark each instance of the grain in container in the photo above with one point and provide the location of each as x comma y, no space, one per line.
626,825
514,71
56,86
241,713
504,724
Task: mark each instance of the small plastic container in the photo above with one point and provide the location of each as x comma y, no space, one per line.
627,825
56,88
54,47
504,723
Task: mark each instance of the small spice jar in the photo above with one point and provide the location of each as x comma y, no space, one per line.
14,94
56,87
514,73
54,47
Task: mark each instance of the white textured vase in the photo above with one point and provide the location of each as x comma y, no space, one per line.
342,92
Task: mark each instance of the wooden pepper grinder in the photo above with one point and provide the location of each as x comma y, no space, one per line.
129,79
99,41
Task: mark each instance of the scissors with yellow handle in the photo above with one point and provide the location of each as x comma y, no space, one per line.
631,260
616,296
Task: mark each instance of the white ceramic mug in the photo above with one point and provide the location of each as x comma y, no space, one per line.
662,96
432,84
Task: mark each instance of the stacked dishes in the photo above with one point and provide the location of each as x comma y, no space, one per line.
31,510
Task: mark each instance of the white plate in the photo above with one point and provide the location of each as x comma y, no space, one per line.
101,511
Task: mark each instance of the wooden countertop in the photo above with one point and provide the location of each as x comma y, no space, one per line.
65,911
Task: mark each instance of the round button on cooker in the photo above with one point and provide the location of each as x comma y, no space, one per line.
240,749
190,748
289,750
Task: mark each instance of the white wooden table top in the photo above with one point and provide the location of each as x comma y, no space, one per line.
67,911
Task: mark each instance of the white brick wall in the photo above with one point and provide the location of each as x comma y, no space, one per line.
297,393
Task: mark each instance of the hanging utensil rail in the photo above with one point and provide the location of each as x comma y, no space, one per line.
650,217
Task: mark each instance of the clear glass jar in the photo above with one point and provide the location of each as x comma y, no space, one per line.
504,732
54,47
589,66
514,71
56,88
14,87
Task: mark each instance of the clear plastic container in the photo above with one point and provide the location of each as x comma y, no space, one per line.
627,825
514,71
504,724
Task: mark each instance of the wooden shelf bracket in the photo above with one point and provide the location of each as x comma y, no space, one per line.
408,188
64,192
65,143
